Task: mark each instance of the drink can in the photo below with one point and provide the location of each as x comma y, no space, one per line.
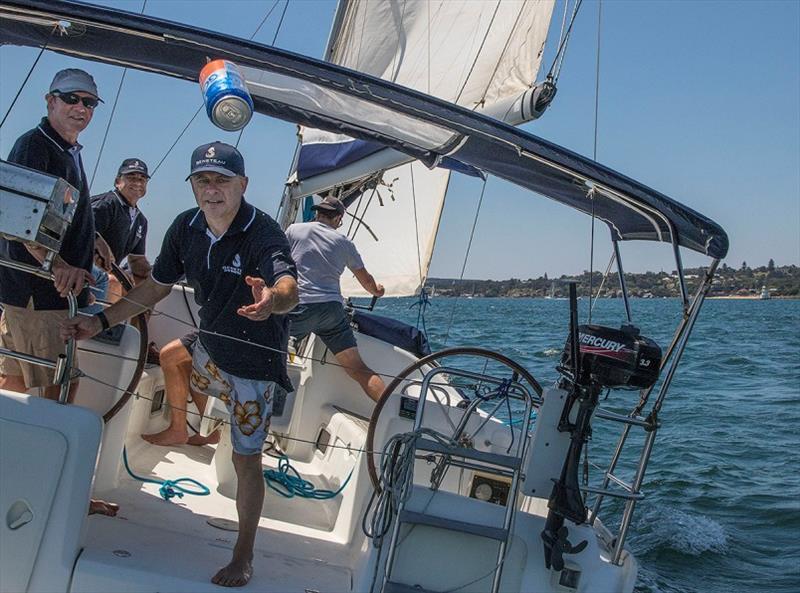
228,104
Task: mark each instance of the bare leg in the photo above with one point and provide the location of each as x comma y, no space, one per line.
176,363
13,383
249,502
370,382
115,290
200,401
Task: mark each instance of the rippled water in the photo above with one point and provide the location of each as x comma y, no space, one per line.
722,511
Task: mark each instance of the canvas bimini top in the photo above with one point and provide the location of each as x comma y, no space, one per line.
317,94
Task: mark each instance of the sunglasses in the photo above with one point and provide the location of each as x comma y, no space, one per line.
73,99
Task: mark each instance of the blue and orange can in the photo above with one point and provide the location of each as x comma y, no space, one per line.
228,103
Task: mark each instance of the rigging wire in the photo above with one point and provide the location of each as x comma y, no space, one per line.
111,117
478,53
416,223
274,38
592,194
22,86
108,128
558,60
466,257
602,283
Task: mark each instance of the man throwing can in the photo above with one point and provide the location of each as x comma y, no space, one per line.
238,262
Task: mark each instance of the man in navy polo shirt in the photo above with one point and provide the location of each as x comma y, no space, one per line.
121,229
237,260
33,306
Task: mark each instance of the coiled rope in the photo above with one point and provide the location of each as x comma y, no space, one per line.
287,482
168,488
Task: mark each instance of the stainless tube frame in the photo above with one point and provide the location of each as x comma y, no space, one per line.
672,359
63,366
622,284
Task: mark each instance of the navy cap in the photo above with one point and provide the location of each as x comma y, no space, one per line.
133,166
330,205
73,80
217,157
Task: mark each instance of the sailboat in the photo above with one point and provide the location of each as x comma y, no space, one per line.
430,489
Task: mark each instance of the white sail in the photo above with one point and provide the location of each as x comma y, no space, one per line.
481,55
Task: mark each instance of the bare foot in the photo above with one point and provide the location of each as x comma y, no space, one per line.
101,507
167,437
236,574
199,440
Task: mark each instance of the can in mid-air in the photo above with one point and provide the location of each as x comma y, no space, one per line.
228,104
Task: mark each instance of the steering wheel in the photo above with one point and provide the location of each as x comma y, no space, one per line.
140,323
433,360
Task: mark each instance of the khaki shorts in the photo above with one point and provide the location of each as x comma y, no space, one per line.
31,332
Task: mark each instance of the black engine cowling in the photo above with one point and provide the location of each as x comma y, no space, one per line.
617,358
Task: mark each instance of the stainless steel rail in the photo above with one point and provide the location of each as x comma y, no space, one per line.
650,423
62,366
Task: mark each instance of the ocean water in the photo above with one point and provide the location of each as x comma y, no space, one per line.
722,511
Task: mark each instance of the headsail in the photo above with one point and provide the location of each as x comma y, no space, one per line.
482,55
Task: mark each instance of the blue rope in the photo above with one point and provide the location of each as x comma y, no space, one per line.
287,482
169,488
422,302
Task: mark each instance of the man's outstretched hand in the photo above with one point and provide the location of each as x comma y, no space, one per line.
263,301
80,327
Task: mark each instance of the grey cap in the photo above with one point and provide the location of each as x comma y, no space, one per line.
73,80
330,205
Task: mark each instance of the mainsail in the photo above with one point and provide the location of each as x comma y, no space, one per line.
482,55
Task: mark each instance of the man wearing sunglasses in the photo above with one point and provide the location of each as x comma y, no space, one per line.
33,306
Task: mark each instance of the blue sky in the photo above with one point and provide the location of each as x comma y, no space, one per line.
699,100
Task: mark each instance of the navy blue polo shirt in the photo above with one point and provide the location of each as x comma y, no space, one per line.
43,149
215,268
123,226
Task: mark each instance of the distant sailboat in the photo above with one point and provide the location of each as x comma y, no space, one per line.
765,293
552,293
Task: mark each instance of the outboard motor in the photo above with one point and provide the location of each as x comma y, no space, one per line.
594,358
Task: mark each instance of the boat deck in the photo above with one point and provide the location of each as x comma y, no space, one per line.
155,545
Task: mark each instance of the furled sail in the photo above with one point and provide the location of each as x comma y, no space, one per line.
481,55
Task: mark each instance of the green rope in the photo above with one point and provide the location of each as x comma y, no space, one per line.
287,482
169,488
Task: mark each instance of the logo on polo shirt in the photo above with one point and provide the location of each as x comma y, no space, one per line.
236,263
139,232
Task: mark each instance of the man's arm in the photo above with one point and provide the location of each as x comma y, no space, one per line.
141,298
281,298
368,282
66,278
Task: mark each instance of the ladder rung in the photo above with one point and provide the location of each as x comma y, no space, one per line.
391,587
497,533
508,461
621,483
633,421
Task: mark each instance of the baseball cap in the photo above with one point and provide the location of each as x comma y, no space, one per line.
133,166
71,80
217,157
330,204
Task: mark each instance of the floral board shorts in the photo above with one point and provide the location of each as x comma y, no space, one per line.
249,401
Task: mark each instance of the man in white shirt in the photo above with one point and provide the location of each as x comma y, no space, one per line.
321,254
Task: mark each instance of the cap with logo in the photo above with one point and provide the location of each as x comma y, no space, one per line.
217,157
133,166
330,205
73,80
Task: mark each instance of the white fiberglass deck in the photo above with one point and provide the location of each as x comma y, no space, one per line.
155,545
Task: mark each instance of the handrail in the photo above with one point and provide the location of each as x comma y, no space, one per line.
64,365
